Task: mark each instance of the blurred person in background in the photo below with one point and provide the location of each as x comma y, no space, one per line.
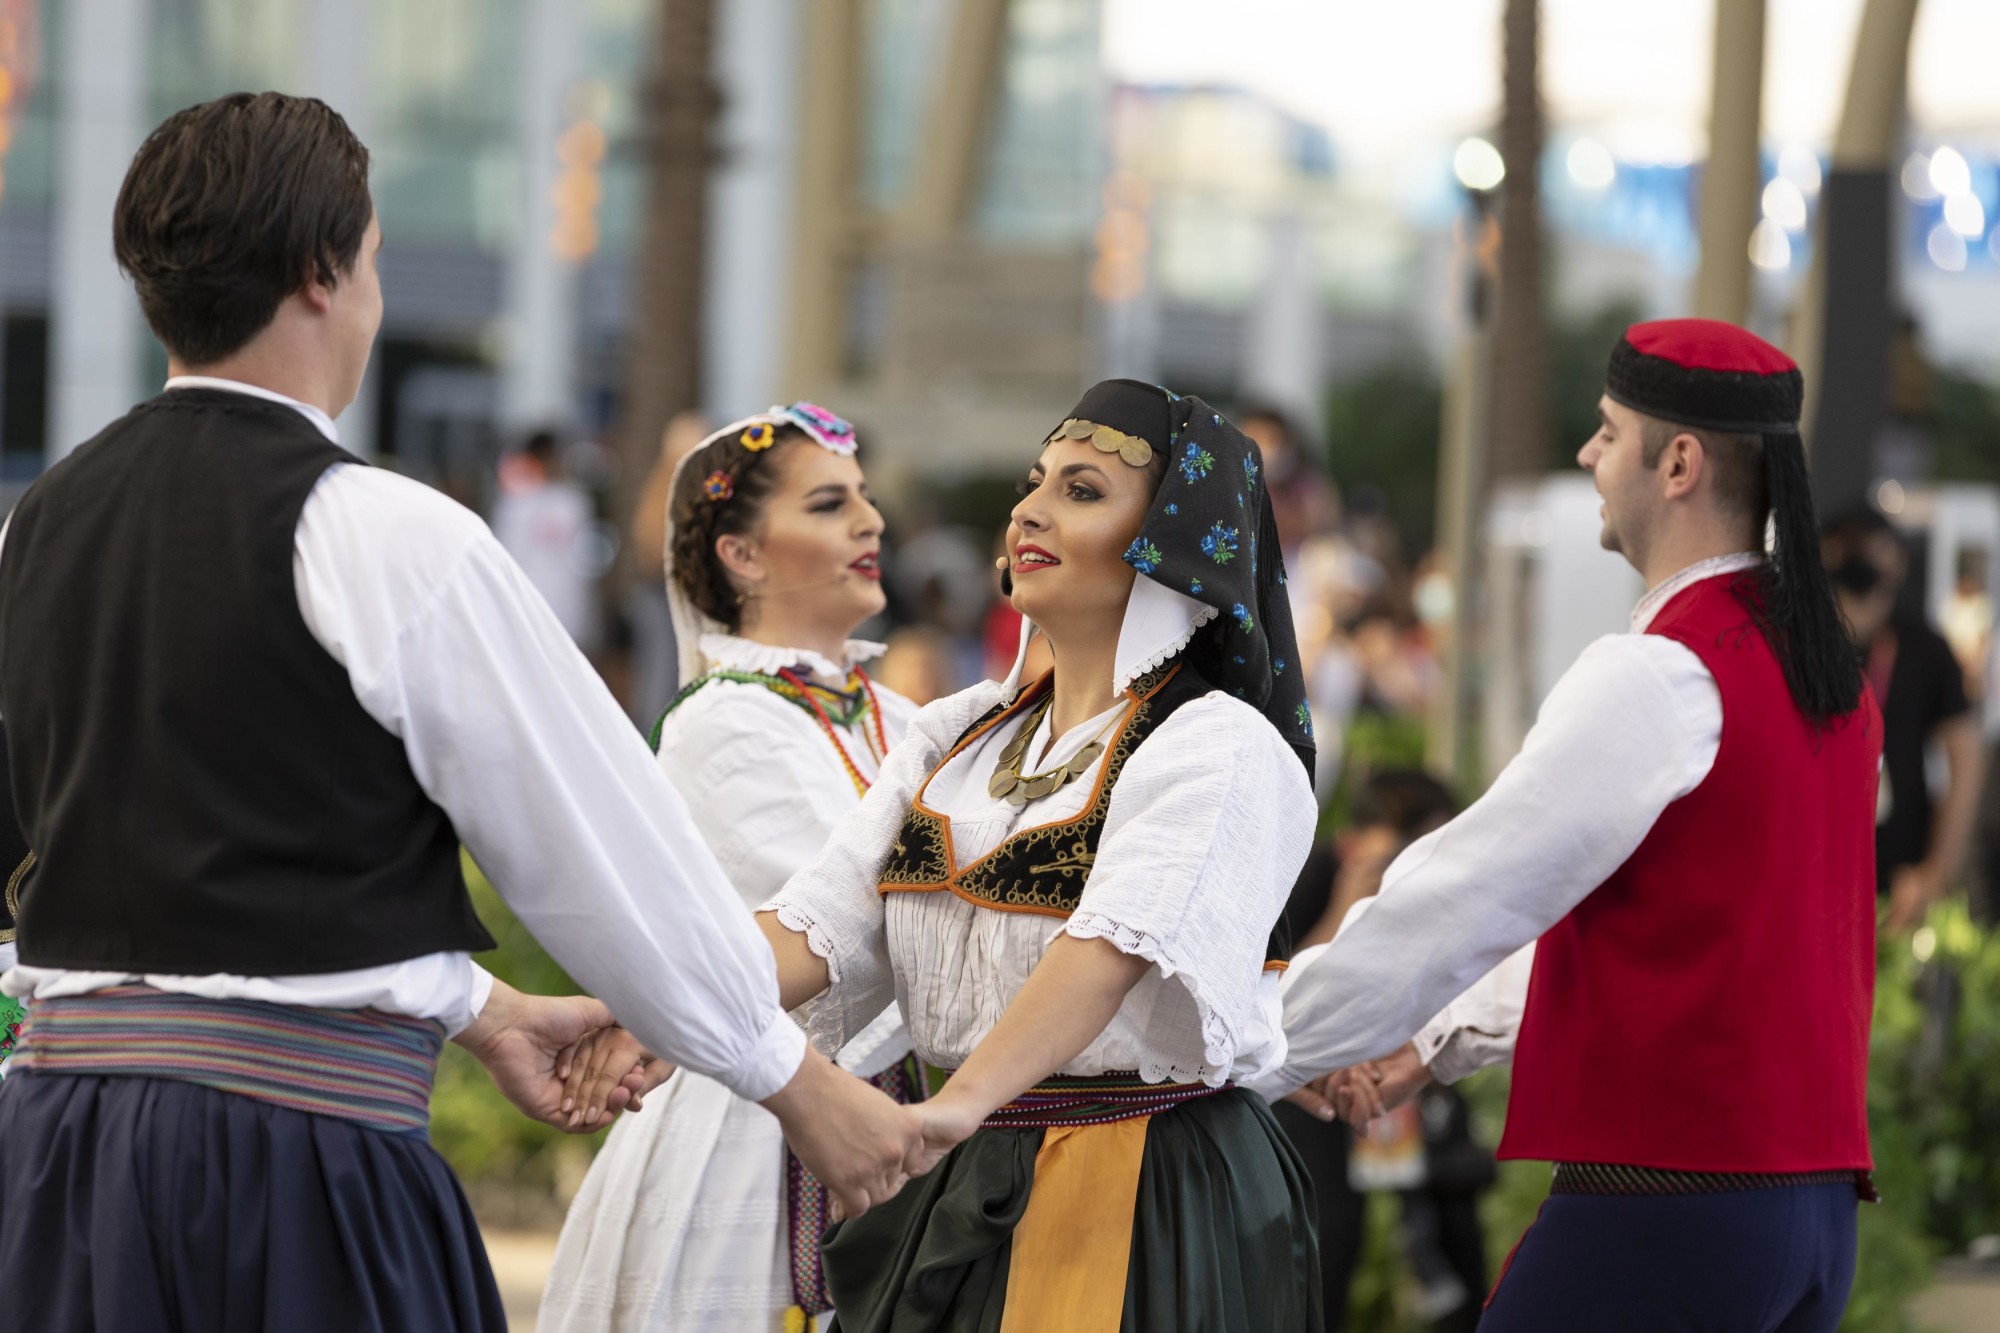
1967,621
1921,841
653,650
694,1216
920,663
1442,1235
941,580
1330,578
544,520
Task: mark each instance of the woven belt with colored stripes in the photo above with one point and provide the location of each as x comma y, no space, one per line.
1601,1178
1098,1099
362,1065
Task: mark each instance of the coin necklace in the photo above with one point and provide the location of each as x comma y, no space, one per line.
1009,784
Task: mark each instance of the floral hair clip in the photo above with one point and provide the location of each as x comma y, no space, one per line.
758,437
719,486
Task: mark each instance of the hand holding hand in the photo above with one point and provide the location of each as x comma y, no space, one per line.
849,1135
946,1121
597,1068
1318,1098
1371,1089
520,1039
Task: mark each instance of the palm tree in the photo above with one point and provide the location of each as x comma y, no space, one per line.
677,131
1519,422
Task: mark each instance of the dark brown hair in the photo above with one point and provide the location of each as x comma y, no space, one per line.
700,522
1738,460
233,205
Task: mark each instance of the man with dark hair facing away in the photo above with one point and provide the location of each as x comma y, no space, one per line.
1689,832
257,693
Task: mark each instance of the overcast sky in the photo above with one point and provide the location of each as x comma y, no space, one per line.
1391,78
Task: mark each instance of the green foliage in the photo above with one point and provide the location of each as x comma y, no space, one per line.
1964,421
1382,431
1578,352
516,1169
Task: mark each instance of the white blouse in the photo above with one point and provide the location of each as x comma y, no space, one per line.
765,785
1207,828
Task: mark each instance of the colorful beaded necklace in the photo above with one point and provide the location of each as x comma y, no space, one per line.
812,697
832,708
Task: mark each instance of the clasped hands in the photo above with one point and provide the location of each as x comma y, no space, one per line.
561,1059
1360,1093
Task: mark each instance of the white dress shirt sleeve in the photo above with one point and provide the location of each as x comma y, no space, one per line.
1631,727
509,729
835,900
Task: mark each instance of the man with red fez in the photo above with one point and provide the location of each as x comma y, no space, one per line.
1688,832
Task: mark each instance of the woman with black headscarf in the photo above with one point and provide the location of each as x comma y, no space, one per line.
1071,888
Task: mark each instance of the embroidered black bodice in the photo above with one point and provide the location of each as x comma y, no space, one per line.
1043,868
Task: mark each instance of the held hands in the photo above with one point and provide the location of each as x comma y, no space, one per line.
859,1144
946,1122
526,1043
1365,1091
599,1066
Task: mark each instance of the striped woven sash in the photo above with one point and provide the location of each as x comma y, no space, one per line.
372,1068
1098,1099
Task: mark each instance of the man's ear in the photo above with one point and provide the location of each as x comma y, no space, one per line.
739,555
1682,464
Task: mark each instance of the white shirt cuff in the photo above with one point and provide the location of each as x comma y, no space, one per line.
771,1063
476,997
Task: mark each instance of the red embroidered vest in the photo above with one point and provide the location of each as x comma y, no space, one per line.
1707,1007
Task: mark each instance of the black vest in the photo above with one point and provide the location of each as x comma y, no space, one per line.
201,788
1043,868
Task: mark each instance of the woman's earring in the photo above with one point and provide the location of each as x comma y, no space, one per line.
1000,562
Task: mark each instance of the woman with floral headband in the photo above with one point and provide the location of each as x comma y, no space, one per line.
1070,889
695,1216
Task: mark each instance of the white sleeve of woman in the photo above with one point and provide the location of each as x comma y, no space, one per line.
1209,825
835,900
763,789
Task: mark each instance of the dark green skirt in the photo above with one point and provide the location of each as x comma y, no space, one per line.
1222,1236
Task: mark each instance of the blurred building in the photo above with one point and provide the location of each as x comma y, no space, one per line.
506,205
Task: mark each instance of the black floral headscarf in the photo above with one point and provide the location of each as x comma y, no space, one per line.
1211,535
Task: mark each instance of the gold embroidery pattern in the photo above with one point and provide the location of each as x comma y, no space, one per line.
1042,869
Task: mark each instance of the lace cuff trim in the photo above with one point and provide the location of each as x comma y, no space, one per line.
1218,1039
823,1017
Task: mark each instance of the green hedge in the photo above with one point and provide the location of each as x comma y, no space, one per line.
516,1170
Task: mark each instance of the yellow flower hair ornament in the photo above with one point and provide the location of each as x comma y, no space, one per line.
759,437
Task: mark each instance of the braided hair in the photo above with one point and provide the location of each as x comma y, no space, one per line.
701,519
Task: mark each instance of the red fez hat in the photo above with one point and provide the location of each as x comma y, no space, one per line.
1703,372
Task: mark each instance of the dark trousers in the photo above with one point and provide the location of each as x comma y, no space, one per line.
1752,1261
